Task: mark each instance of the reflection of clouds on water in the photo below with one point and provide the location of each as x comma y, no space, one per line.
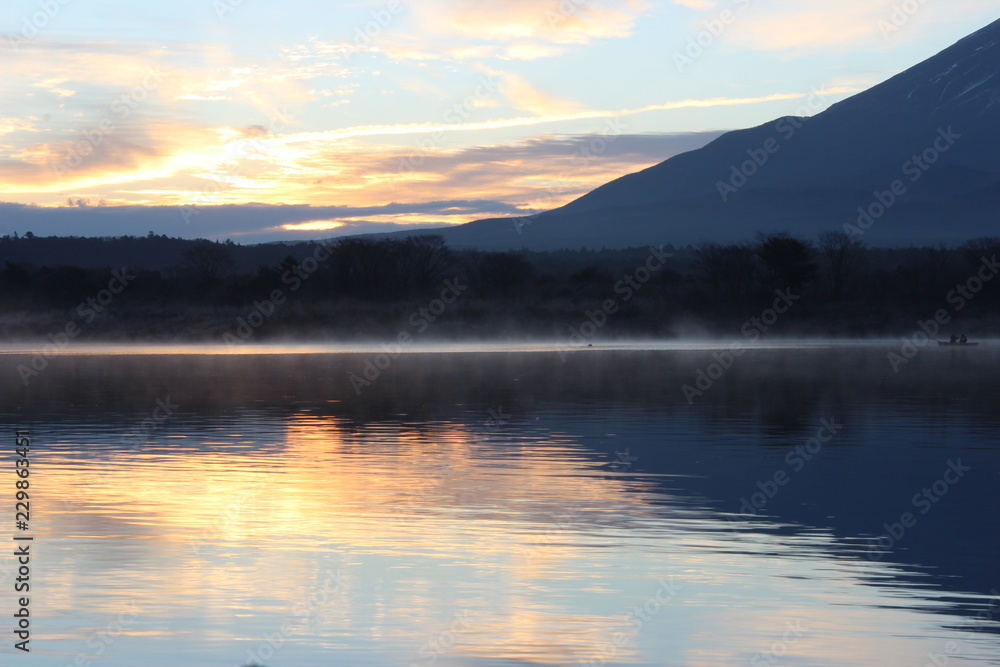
552,555
546,512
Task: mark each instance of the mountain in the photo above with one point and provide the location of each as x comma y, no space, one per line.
919,153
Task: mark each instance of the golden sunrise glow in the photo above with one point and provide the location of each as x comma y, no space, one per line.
431,102
207,523
226,166
315,226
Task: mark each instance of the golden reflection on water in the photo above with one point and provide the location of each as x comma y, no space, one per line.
431,346
214,525
528,549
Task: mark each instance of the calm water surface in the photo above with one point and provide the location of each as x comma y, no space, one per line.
508,507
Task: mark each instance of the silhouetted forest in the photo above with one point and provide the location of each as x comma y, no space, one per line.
159,288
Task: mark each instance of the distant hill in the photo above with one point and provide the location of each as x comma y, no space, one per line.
158,253
933,131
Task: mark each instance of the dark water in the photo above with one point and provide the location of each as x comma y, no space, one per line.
509,508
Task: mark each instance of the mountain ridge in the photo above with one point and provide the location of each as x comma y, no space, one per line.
808,174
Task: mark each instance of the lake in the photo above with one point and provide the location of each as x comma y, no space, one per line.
801,503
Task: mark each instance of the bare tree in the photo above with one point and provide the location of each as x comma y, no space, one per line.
730,269
976,249
787,261
364,266
499,273
842,256
207,262
423,260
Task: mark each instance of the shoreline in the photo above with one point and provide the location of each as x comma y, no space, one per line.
110,348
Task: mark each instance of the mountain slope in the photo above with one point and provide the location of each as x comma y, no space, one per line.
934,128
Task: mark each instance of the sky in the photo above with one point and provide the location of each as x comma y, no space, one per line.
261,121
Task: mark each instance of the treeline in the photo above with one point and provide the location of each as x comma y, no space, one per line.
152,251
368,285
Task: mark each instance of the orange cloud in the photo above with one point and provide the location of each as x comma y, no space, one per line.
170,163
811,25
521,95
466,30
564,22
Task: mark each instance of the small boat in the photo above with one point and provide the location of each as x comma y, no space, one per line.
944,343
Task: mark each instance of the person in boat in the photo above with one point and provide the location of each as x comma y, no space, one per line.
963,339
954,338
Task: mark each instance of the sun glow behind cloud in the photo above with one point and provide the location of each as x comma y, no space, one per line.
359,108
314,226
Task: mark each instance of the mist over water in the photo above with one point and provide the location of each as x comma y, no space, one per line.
806,504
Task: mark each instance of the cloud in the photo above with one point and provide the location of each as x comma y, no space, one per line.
696,4
101,153
156,161
557,21
87,77
449,187
531,51
811,25
246,222
500,123
468,30
815,25
10,125
52,85
544,172
521,95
